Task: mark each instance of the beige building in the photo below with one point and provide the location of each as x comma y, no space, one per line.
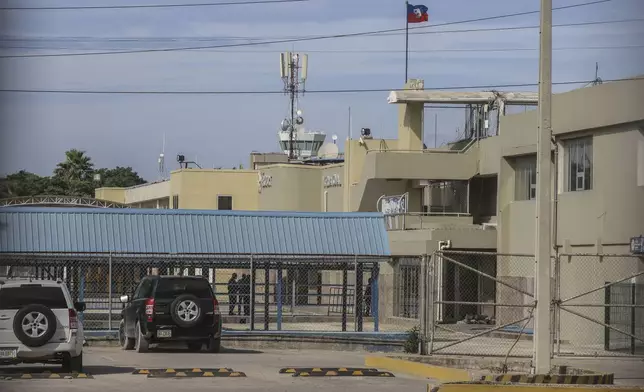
478,194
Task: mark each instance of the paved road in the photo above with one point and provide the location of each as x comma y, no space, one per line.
112,369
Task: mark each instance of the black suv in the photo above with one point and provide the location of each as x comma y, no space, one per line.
171,309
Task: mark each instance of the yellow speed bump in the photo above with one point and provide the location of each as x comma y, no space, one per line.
584,379
186,370
354,373
45,376
191,374
323,370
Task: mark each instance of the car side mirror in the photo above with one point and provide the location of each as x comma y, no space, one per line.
125,298
80,306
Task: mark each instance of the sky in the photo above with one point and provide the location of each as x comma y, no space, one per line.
221,130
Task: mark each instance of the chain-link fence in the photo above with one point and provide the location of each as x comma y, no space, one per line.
599,305
255,292
481,304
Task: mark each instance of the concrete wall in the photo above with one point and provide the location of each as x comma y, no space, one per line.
148,192
294,188
332,194
200,188
116,195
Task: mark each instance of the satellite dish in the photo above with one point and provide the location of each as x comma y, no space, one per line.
299,120
328,151
335,138
299,112
286,124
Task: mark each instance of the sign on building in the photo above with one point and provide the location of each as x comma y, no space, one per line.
332,181
394,208
393,205
264,181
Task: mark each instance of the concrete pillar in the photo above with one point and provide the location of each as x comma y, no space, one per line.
410,126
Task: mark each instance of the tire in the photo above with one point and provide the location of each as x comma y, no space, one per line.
186,311
125,342
214,345
141,344
73,364
194,346
42,318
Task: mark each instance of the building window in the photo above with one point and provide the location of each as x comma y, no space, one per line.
525,178
224,202
175,202
579,164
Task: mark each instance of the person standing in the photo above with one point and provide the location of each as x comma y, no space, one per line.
233,294
367,298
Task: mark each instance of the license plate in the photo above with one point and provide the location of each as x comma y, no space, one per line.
8,353
164,333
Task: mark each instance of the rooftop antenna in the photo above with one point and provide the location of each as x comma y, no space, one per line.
597,80
162,161
293,71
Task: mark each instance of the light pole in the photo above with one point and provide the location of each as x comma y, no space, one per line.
543,339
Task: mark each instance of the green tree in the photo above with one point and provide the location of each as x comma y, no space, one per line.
24,183
119,177
74,175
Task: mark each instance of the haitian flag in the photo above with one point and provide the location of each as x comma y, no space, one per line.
417,13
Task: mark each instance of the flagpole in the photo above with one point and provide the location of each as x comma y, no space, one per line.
406,40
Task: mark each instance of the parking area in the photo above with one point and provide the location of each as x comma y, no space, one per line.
112,369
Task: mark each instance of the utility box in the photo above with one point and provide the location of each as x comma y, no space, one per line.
637,245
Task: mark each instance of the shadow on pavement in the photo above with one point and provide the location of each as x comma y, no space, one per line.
181,350
93,370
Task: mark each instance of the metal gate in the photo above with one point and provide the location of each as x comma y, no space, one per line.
481,303
599,305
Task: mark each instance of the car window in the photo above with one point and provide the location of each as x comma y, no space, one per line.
144,290
17,297
172,287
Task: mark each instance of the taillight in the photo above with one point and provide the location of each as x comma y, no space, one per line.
215,306
149,308
73,319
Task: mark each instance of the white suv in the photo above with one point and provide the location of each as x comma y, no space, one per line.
39,323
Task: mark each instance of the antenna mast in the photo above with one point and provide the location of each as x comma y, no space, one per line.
293,70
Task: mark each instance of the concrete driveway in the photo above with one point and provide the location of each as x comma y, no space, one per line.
112,371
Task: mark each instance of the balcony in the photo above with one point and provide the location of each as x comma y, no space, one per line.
427,220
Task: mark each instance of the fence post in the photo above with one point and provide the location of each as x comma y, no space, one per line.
422,294
375,273
431,309
556,308
251,294
81,289
278,289
109,292
266,295
345,288
633,302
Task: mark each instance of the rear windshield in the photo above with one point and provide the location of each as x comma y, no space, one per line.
17,297
173,287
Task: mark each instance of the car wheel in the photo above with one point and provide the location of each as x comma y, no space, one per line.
141,344
194,346
186,311
73,364
125,342
214,345
34,325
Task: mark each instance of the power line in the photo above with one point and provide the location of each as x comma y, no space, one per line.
239,38
271,92
312,38
375,51
111,7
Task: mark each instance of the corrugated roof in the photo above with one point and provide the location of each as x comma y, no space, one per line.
41,229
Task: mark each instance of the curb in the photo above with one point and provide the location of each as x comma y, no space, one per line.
488,386
417,369
592,379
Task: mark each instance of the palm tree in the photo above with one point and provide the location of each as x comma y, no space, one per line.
73,172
